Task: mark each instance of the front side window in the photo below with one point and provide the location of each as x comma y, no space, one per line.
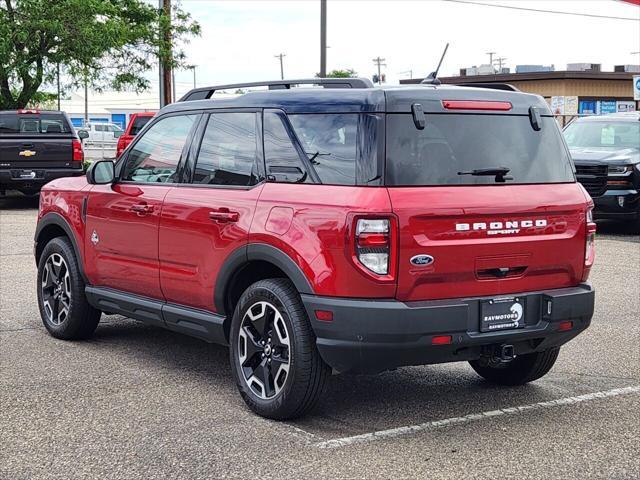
157,154
229,150
138,123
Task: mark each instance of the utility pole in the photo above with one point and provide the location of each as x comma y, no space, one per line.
58,77
410,72
166,57
280,56
500,61
380,62
86,99
323,38
491,54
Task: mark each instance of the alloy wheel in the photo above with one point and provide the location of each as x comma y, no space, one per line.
264,350
56,289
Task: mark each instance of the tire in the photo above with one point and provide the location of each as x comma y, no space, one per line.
521,370
271,311
64,309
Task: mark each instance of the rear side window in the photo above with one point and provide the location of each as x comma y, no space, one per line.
33,123
229,150
156,155
330,142
282,158
452,146
138,123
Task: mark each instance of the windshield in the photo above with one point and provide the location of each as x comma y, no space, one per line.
604,135
456,149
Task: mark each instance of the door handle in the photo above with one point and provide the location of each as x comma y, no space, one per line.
224,215
142,209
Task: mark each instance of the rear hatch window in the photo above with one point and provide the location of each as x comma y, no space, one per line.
12,123
452,146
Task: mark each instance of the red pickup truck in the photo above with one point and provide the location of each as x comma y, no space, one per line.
136,123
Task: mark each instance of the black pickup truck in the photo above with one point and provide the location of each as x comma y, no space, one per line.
36,147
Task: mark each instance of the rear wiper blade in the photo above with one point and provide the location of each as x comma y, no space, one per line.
499,173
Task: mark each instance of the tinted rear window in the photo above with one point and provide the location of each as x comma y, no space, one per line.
452,143
138,123
33,124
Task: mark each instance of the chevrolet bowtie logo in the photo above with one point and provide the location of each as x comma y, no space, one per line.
27,153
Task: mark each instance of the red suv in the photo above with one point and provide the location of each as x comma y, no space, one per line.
136,123
345,228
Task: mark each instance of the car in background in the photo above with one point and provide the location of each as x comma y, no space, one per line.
136,123
36,147
606,153
103,134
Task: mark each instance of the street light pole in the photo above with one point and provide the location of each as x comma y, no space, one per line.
323,38
193,67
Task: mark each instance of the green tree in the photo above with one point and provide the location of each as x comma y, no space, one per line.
346,73
106,43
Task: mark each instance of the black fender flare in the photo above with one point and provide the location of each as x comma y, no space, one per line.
53,218
253,252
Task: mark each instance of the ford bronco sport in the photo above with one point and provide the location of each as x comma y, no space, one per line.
346,228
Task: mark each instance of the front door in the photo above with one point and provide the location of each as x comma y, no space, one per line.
204,221
121,241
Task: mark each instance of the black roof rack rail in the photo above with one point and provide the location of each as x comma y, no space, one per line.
494,86
207,92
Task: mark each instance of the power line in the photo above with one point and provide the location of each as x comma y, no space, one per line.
557,12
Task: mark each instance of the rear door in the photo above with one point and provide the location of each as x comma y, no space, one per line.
208,218
463,233
121,244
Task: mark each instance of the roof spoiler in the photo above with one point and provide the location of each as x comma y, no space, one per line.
494,86
207,92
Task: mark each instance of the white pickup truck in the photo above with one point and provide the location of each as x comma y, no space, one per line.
103,133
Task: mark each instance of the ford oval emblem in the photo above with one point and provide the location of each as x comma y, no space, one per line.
422,260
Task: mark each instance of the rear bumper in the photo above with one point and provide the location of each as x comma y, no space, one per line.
617,205
368,336
10,179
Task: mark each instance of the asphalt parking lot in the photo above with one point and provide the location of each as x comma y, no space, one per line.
139,402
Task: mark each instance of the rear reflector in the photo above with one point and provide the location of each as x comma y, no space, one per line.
476,105
564,326
441,340
324,315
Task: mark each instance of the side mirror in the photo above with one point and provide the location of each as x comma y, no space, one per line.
101,173
82,134
286,174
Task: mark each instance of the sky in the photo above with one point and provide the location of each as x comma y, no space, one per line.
241,37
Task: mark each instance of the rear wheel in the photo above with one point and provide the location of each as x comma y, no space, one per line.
64,309
522,369
274,359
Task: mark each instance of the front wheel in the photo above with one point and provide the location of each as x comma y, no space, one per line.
274,359
522,369
64,309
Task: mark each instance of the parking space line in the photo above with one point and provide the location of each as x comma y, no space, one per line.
397,432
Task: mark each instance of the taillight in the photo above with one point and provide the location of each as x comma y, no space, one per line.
590,243
28,111
375,246
78,154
